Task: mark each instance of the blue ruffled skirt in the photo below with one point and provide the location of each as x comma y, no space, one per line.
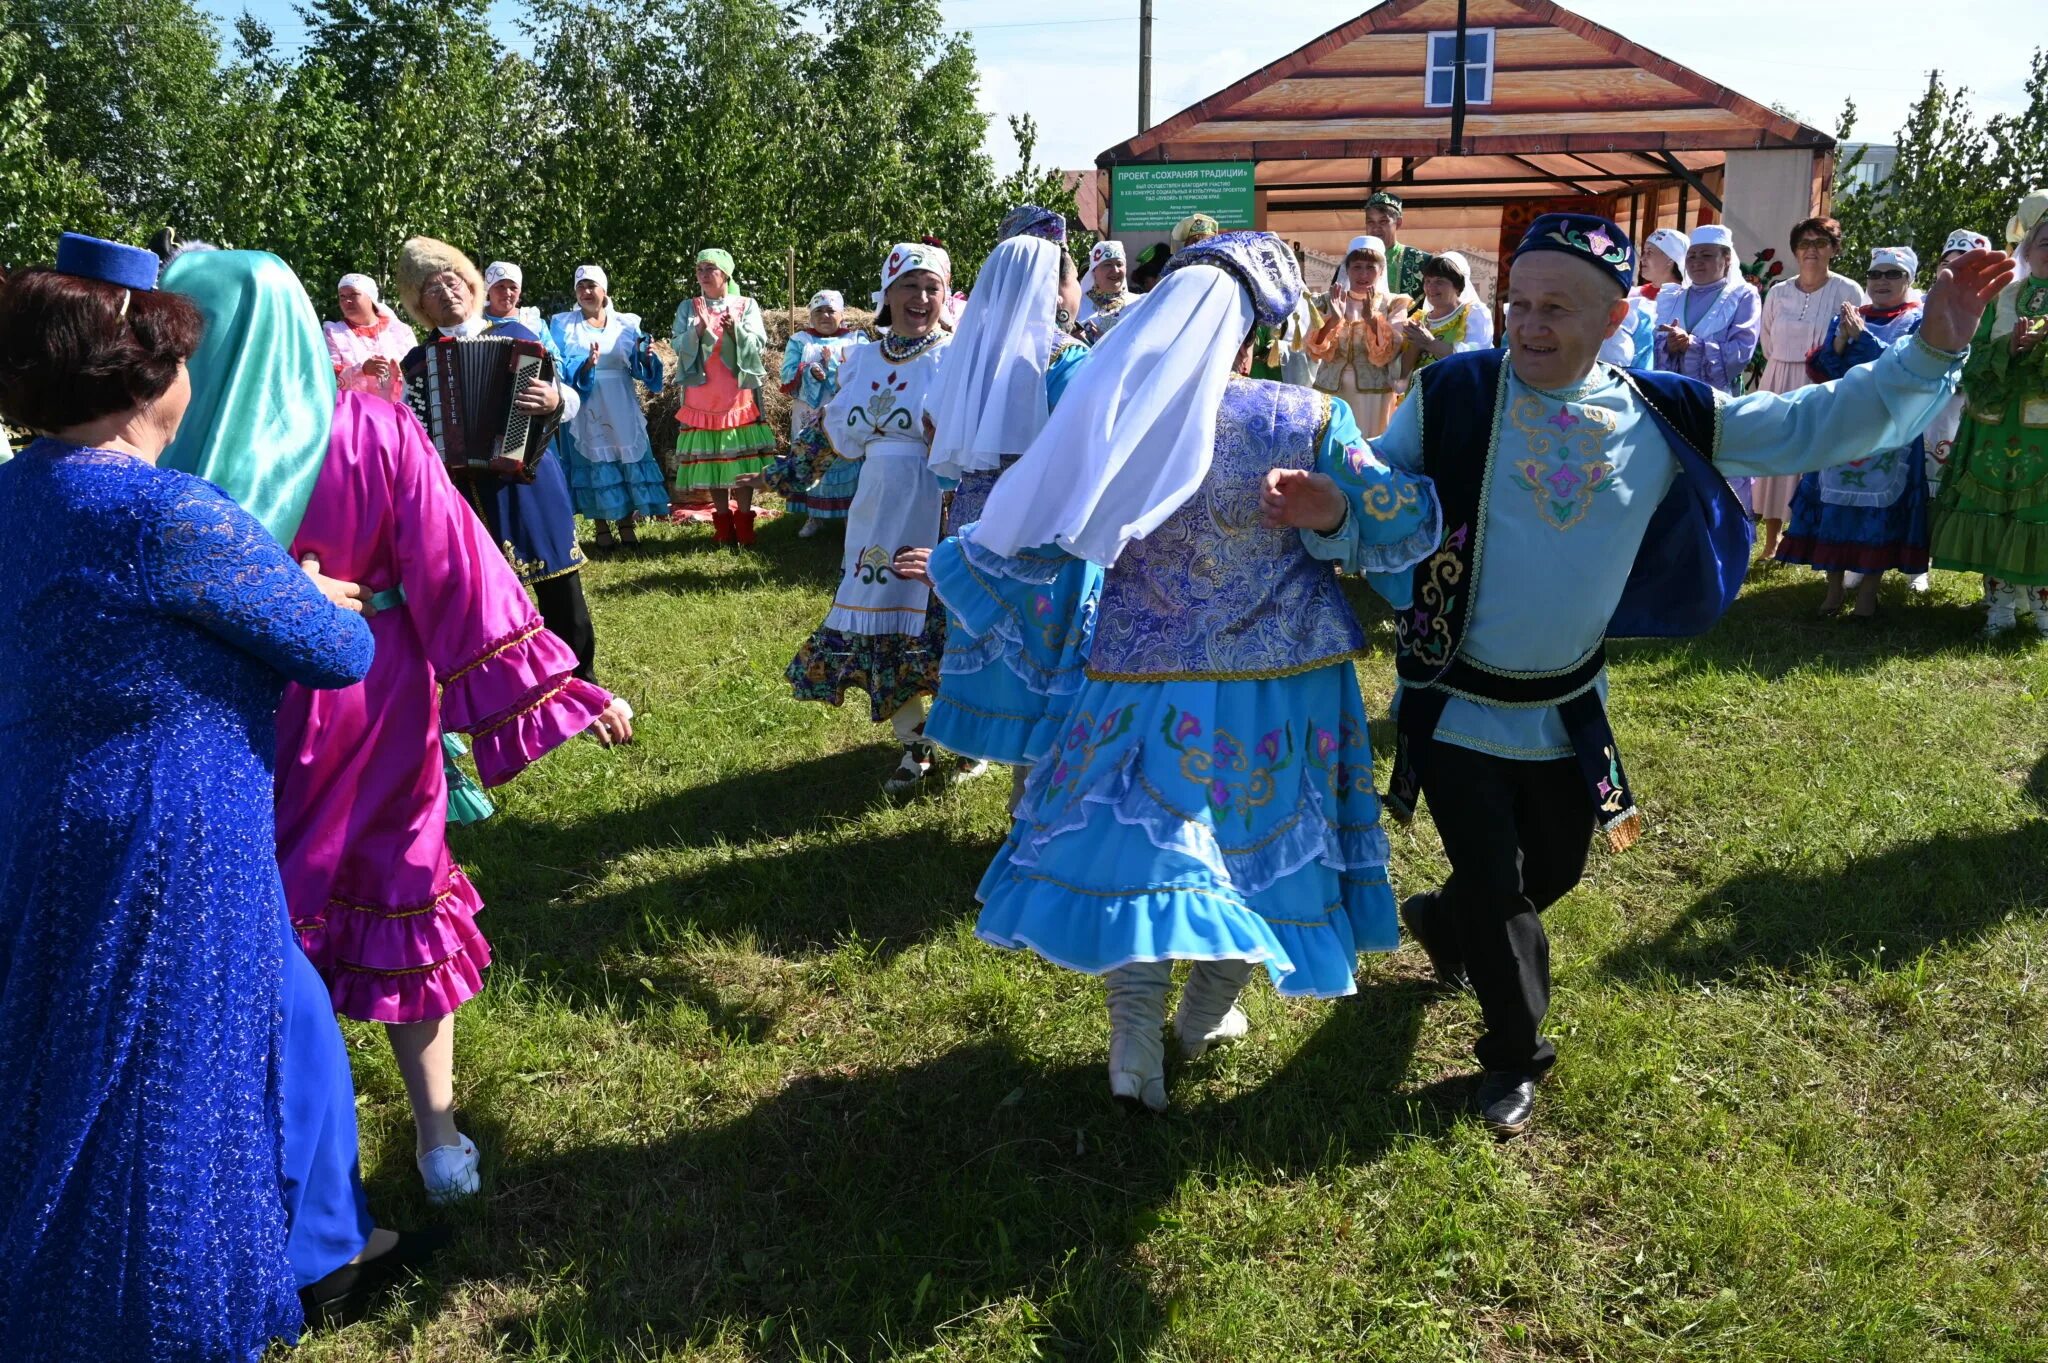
1017,636
831,497
1193,820
613,492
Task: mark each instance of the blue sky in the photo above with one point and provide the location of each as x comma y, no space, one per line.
1073,63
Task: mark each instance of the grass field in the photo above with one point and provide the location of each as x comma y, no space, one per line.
747,1087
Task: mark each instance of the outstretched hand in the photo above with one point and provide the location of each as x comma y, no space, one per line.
1302,500
1962,289
912,565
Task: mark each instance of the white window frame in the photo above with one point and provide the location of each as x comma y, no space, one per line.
1481,72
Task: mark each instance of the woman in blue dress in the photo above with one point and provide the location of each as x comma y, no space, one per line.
147,628
1211,799
1012,665
1869,515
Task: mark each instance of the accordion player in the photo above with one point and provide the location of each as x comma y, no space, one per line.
465,390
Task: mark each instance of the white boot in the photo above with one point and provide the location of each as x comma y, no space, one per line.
1208,1014
2003,602
1137,1023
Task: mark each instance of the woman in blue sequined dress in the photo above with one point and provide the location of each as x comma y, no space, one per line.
147,628
1211,799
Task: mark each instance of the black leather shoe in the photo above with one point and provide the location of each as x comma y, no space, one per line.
347,1294
1506,1101
1450,970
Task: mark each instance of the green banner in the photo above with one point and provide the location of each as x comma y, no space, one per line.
1152,198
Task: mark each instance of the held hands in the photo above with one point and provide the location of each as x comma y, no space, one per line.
379,368
2027,335
1676,337
347,595
1302,500
614,724
1961,291
912,565
537,397
1849,330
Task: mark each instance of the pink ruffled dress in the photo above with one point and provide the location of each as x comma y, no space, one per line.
362,800
350,346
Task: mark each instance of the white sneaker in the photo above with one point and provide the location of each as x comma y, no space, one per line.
969,768
450,1171
811,528
1231,1027
1919,583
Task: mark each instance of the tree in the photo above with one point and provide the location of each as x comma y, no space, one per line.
41,194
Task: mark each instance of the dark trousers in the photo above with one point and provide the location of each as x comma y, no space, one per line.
1517,835
567,616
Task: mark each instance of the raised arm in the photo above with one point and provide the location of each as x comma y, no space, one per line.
1876,406
1386,518
210,562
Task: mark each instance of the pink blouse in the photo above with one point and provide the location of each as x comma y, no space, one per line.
349,346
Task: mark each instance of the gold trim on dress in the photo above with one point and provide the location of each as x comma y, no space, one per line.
1259,674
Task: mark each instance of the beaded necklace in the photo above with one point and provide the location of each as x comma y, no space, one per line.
898,351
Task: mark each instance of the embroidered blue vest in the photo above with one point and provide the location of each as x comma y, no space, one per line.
1214,595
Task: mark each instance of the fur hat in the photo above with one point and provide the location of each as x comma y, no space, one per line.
420,259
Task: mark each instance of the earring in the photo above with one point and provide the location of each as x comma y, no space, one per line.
1063,319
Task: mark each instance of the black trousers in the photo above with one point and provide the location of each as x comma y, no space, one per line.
567,616
1517,835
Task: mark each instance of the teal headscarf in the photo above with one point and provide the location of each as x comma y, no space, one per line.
262,385
714,255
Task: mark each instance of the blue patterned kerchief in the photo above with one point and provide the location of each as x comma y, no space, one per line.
1029,220
1260,261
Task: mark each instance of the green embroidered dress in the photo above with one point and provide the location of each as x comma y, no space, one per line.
1992,515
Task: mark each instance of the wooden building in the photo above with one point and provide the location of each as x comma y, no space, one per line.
1553,111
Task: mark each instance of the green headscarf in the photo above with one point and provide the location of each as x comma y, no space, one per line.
262,385
712,255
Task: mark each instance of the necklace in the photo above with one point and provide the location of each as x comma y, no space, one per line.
896,351
2033,299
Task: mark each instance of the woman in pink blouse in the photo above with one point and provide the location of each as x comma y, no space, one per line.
368,342
1795,320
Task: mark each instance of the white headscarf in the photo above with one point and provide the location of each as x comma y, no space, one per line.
1672,243
502,270
989,400
1469,296
1134,433
361,283
828,298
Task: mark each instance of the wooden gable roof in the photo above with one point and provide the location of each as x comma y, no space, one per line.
1562,85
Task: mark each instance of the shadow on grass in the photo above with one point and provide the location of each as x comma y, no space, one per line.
1898,903
867,1213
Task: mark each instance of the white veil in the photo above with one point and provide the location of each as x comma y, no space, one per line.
989,400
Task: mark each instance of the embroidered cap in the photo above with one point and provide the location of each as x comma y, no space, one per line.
1029,220
1105,250
1896,257
825,300
1259,261
1712,234
2027,216
596,275
1591,238
1380,198
1962,239
129,267
498,271
1672,243
1193,228
361,283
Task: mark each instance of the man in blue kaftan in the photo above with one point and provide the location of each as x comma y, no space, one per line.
1581,501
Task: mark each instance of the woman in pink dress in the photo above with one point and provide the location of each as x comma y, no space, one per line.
1795,319
380,905
368,342
720,343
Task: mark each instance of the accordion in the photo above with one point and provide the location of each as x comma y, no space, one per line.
463,391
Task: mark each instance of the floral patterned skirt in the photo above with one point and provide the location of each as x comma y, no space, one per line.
1197,820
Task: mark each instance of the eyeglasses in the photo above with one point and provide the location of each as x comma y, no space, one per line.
1886,274
1812,244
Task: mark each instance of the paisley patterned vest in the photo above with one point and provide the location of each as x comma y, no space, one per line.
1212,595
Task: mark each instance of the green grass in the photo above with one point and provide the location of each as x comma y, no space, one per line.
747,1086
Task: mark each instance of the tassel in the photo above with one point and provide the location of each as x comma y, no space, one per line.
1623,832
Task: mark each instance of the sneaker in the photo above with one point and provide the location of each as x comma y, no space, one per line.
1919,582
450,1171
967,768
811,528
911,770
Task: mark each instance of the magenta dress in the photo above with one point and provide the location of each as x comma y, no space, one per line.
381,907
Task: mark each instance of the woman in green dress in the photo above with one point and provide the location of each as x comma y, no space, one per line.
1992,516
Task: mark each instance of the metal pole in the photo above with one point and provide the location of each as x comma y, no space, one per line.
1144,64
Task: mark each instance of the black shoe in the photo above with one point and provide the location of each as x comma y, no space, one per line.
1506,1101
1450,971
346,1295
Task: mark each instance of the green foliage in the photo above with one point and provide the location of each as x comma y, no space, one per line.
1954,170
638,132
